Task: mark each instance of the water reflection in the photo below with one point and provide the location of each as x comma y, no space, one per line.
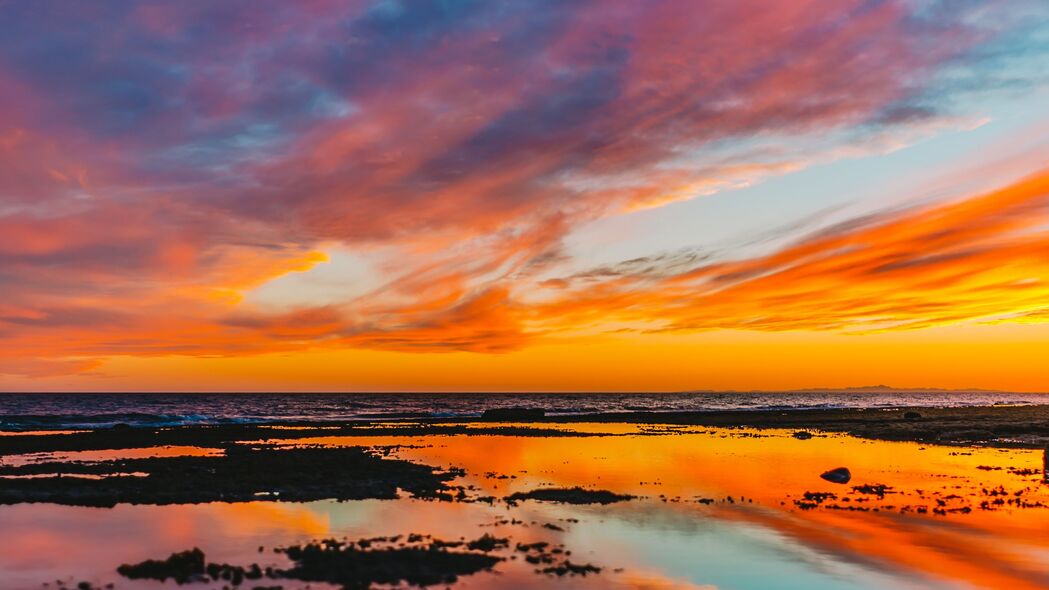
753,533
1005,547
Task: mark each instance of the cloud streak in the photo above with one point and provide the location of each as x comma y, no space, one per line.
977,258
159,161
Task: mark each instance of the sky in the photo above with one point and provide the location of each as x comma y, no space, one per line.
384,195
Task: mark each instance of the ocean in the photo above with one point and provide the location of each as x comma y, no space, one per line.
60,411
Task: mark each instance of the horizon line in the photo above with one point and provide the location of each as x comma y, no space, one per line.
857,389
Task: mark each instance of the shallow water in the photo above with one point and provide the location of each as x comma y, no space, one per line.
760,538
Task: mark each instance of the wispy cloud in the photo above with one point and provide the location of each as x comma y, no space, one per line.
157,161
976,258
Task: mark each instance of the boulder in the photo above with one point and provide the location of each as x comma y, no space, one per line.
840,475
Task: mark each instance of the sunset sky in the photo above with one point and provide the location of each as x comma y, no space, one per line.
535,195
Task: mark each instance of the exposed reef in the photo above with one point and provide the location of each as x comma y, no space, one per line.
575,495
241,474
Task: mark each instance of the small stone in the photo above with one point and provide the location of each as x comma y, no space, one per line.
840,475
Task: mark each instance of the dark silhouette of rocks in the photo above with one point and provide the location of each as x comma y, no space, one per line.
423,562
569,496
354,567
184,567
296,475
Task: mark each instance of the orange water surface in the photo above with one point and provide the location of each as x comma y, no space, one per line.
717,508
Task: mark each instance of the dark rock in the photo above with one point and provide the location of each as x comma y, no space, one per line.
569,496
571,569
912,416
514,413
488,543
352,567
877,489
296,475
182,567
349,565
840,475
819,497
802,435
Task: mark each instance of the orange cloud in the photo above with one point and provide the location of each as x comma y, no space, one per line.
178,159
978,258
981,258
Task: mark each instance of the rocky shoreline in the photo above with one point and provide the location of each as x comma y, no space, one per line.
997,426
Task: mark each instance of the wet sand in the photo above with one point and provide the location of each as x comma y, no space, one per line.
655,501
